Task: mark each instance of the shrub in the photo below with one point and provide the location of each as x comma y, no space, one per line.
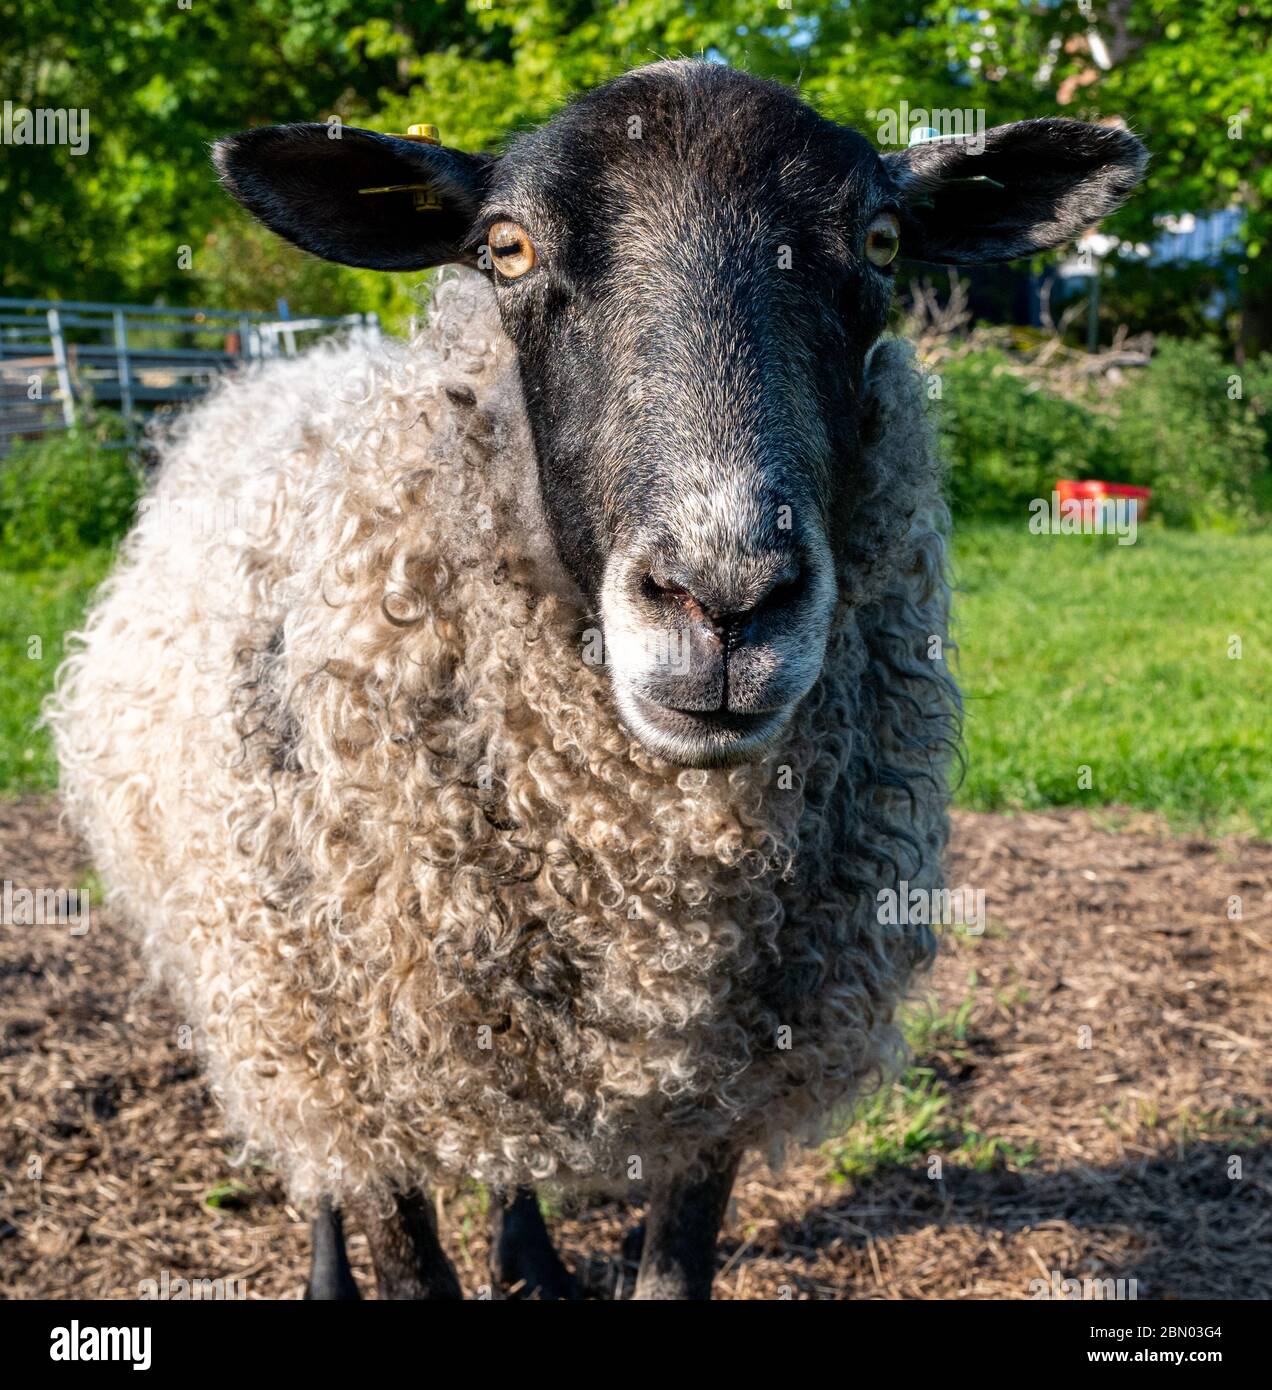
1176,426
1007,439
64,494
1181,431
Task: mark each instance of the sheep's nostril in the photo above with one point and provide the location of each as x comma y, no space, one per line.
655,587
714,605
678,600
787,588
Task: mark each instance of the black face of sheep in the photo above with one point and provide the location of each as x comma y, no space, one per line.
693,266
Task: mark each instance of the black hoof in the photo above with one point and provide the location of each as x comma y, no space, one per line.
634,1244
523,1260
341,1291
330,1278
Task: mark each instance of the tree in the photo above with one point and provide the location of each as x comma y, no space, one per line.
1193,78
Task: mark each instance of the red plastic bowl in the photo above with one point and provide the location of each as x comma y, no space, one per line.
1093,489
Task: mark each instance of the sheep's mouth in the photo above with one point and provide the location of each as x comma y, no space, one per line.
700,738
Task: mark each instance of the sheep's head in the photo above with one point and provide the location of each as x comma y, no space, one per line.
693,266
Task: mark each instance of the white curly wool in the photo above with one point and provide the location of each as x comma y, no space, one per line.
336,750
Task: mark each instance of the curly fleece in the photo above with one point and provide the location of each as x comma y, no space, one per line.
337,741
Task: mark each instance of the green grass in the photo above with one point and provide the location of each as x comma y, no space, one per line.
916,1119
1075,651
36,608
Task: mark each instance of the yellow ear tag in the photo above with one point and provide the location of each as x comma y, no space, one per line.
424,198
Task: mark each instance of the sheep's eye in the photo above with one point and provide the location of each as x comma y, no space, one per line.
883,239
511,249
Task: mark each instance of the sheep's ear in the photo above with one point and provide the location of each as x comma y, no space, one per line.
322,187
1013,191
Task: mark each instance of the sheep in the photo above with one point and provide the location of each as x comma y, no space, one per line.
501,741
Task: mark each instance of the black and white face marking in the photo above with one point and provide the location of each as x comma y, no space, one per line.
693,266
691,339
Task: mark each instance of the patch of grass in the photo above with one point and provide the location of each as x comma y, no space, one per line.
900,1125
65,493
1077,653
984,1152
231,1195
1239,1127
912,1122
36,609
930,1029
915,1119
94,885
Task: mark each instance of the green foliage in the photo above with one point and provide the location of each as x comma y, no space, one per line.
1008,439
1180,431
1197,80
161,81
1193,428
65,494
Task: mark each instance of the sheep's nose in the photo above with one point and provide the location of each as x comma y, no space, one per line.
725,603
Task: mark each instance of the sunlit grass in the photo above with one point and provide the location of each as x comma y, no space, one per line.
1078,653
36,608
915,1120
1075,653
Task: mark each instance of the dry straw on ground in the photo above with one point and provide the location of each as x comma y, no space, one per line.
1134,1136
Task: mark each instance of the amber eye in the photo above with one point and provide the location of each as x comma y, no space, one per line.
883,239
511,249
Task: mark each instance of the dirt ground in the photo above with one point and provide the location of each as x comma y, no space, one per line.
1147,1137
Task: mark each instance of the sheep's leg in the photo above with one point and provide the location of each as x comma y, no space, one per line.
522,1256
408,1257
681,1225
329,1274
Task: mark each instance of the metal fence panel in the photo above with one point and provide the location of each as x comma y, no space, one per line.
91,352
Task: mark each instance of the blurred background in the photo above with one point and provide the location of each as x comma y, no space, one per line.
1139,356
1088,1069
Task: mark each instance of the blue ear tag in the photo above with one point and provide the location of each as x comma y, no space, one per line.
924,133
